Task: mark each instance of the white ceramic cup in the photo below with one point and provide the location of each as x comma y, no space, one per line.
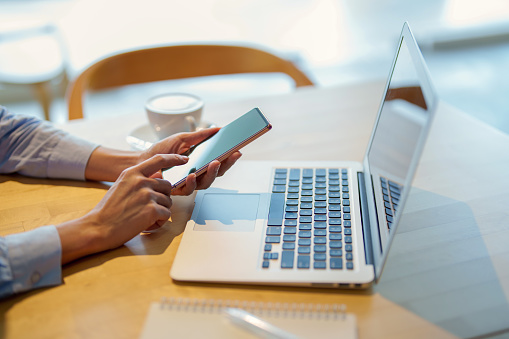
172,113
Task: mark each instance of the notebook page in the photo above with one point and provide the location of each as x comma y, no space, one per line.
210,322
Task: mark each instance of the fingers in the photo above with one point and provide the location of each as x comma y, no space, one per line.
193,138
160,161
228,163
162,199
217,169
161,185
189,187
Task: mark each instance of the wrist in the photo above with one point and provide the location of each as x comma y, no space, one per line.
78,238
106,164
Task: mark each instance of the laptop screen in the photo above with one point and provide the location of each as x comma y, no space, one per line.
397,140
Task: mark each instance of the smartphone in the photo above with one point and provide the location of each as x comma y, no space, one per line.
219,146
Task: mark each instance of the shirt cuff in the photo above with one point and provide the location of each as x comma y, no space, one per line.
70,157
35,258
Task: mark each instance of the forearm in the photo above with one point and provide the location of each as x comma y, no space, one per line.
106,164
77,238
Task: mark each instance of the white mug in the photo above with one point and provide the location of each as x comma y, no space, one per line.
172,113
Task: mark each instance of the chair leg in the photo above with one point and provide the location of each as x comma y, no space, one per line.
43,94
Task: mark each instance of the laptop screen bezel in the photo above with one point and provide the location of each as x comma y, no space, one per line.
380,250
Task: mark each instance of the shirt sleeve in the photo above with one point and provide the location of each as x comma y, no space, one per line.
30,260
35,148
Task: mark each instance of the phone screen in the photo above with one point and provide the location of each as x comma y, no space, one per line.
227,140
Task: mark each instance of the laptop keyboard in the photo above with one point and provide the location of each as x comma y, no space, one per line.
309,223
391,193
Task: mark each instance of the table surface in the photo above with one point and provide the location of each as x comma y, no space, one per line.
447,273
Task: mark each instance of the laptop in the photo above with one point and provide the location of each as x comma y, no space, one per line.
321,224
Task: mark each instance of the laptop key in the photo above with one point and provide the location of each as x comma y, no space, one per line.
336,253
306,199
288,245
306,219
320,232
289,237
320,225
320,249
335,221
306,212
335,244
291,222
279,189
287,259
290,230
335,236
320,211
294,183
320,204
291,215
335,229
272,239
336,263
305,234
307,173
293,189
276,209
304,250
320,240
319,265
274,230
303,261
304,242
320,256
304,227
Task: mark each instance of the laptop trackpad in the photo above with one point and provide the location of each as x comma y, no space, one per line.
227,212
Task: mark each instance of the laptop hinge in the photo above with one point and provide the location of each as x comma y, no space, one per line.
368,248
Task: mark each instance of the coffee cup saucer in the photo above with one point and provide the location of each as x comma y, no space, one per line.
144,136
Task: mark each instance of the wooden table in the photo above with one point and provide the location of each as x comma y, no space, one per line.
447,274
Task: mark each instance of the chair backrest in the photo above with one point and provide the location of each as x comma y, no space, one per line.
175,62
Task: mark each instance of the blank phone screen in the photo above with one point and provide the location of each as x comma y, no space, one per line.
225,140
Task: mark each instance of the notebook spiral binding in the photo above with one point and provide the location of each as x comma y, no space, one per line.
284,310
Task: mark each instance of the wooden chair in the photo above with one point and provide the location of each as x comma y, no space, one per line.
31,56
175,62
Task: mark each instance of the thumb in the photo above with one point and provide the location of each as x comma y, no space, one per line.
160,161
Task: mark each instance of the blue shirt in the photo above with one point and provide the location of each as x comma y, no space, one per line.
35,148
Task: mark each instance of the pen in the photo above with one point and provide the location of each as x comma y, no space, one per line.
256,325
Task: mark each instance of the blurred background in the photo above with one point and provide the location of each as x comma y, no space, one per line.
337,42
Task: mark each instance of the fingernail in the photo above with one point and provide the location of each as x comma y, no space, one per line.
184,158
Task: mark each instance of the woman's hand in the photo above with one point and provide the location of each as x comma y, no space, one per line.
137,201
180,143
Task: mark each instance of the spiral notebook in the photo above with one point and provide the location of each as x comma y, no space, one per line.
192,318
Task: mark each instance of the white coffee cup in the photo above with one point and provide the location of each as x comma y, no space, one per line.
172,113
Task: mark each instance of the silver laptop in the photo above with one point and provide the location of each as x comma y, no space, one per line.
323,224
